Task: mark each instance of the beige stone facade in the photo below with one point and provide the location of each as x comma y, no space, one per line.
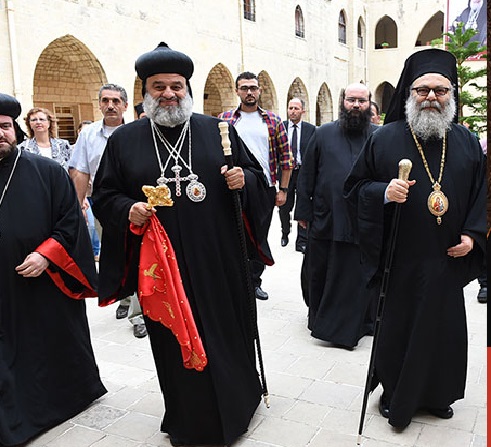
57,53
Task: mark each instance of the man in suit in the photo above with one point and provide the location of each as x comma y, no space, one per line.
299,133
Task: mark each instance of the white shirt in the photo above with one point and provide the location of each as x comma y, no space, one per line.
290,135
89,147
254,132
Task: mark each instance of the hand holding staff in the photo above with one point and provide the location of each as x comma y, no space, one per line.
405,166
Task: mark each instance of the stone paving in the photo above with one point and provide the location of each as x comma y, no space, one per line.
316,390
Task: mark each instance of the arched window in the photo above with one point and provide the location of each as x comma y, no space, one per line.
433,29
342,27
386,33
250,10
299,22
361,34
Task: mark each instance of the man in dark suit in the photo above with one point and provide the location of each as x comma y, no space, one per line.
299,133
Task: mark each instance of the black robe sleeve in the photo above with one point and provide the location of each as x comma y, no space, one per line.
111,207
366,201
306,181
255,199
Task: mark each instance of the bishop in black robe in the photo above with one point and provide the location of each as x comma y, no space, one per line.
48,372
213,406
421,359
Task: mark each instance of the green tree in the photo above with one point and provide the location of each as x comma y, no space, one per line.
459,43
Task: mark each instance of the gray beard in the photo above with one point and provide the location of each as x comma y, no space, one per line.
168,116
427,123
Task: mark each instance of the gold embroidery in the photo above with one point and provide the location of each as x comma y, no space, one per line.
195,360
169,309
151,272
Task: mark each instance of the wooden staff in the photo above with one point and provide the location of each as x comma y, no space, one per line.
405,166
227,151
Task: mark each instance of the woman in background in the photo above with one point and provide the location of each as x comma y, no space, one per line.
41,129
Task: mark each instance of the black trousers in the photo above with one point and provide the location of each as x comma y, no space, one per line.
286,210
257,266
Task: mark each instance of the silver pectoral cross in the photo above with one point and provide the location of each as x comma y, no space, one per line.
177,169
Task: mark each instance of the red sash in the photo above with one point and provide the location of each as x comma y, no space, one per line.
162,295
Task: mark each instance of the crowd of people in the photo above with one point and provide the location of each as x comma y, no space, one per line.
155,189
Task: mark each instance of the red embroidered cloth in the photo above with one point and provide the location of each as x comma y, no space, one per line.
162,294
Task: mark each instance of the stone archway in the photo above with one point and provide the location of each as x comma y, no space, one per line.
323,109
383,95
137,94
432,29
268,98
67,80
219,92
298,90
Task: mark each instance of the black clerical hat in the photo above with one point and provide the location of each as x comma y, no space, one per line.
431,60
164,60
9,106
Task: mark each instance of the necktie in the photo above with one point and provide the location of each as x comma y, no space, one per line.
294,145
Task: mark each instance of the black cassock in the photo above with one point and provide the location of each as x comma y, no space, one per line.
341,308
213,406
47,367
421,359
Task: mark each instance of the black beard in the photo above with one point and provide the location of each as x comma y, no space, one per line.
8,151
354,123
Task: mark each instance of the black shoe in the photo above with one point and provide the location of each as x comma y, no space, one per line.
175,443
442,413
345,347
261,294
139,330
284,240
482,296
383,406
301,248
122,312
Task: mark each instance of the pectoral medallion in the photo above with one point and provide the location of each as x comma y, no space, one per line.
437,203
196,191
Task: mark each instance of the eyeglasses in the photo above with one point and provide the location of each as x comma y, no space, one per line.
246,88
33,120
361,101
425,91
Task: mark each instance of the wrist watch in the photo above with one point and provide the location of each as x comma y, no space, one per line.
283,189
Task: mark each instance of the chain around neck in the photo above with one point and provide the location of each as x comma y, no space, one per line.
174,151
10,176
425,163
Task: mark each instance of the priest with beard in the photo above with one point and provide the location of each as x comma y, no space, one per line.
184,258
48,372
421,358
340,308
